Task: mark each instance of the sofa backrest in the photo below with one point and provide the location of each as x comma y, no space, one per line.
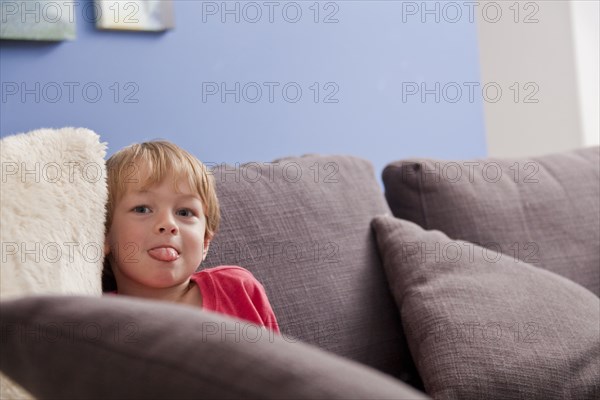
302,227
542,210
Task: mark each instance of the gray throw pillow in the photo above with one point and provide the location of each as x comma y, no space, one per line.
482,325
544,210
63,347
302,227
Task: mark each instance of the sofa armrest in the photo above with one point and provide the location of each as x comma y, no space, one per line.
118,347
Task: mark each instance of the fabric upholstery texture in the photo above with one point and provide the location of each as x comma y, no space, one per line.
126,348
482,325
301,226
544,210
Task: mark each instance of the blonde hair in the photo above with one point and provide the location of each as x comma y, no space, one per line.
150,163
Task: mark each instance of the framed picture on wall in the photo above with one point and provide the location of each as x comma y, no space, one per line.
135,15
43,20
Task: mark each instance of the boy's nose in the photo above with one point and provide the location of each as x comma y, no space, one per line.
172,229
166,224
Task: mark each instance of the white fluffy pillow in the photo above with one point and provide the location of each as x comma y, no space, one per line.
52,210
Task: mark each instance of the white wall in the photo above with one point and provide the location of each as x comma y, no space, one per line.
585,16
530,53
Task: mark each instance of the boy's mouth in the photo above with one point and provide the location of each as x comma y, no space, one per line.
164,253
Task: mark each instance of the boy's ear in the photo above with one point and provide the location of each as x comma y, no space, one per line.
106,247
206,246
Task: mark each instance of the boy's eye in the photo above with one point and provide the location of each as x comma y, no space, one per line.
185,212
141,209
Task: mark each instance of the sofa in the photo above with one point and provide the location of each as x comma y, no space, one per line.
459,279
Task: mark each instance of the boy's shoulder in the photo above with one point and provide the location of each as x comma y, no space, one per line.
227,273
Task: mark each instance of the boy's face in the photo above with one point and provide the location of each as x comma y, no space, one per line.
157,236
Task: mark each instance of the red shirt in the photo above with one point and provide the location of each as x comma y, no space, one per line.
235,291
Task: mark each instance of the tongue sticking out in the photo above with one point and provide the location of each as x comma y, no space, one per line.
164,254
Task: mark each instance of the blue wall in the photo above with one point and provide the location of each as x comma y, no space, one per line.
367,55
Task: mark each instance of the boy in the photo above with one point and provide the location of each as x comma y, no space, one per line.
162,213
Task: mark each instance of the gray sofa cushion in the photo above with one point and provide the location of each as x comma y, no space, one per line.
124,348
544,210
481,325
302,227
